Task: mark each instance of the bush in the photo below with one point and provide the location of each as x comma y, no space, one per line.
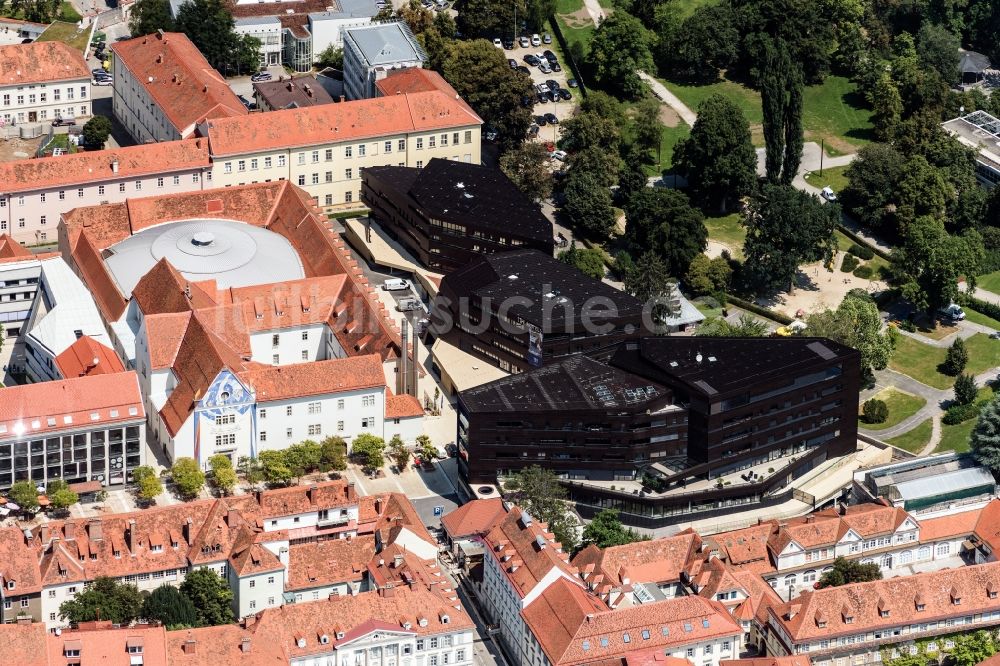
864,272
850,263
861,252
908,326
756,309
960,413
875,411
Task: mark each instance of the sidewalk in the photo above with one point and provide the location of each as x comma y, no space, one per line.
668,98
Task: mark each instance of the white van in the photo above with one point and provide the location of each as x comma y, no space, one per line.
395,284
953,312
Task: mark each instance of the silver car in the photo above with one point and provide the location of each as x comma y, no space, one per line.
409,305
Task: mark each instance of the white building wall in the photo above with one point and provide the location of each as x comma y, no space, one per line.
408,429
254,593
297,344
18,286
329,30
41,102
309,519
137,112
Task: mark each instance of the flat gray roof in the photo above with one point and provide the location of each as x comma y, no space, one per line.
980,131
347,9
234,254
942,484
385,43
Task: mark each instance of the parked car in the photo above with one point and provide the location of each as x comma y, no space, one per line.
995,335
63,122
512,63
497,43
551,118
828,193
524,42
544,68
395,284
247,103
565,94
550,95
27,41
524,70
953,312
531,59
540,121
100,71
107,81
556,67
533,130
508,44
442,4
542,99
572,83
549,55
559,155
546,38
261,76
551,84
536,40
408,305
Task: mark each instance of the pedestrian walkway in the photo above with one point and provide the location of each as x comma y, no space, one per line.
980,293
670,99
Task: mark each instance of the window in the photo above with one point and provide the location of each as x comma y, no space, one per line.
253,604
348,197
329,154
267,162
275,359
328,176
177,180
263,413
288,433
340,403
690,652
348,151
315,407
62,195
454,138
725,646
368,422
42,220
432,142
225,419
253,583
340,426
138,185
281,160
305,355
420,164
228,439
444,139
52,617
708,649
401,145
227,167
420,143
302,158
328,200
24,602
79,193
460,655
468,136
368,401
316,429
302,179
159,182
288,410
263,435
315,156
388,147
253,164
361,150
52,594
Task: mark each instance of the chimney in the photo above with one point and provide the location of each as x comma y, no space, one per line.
190,645
810,519
233,518
341,98
24,619
249,621
289,85
69,529
397,561
311,494
308,90
378,506
188,531
842,508
114,166
245,645
351,494
130,537
94,530
159,33
43,533
159,60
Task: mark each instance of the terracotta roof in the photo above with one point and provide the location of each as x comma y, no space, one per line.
293,92
653,657
358,119
395,565
656,561
69,403
223,645
988,525
279,382
109,646
24,644
11,249
253,558
14,566
414,80
391,512
327,562
573,628
303,499
93,166
90,266
402,406
807,531
793,660
164,334
41,62
863,603
302,302
164,289
474,518
87,357
956,524
182,84
516,543
743,546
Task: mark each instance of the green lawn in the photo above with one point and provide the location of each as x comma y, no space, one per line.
706,309
990,282
843,241
66,13
581,35
915,440
921,361
668,140
980,318
833,178
956,437
67,33
727,230
686,7
901,405
984,353
568,6
832,112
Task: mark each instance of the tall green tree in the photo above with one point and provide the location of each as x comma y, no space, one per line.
481,76
211,27
274,468
333,454
985,440
650,282
785,229
148,16
887,107
847,571
746,326
398,453
937,49
148,485
930,261
60,496
489,18
872,179
718,158
223,474
973,648
619,49
705,43
590,129
538,491
24,494
188,477
210,594
369,451
588,204
708,276
956,358
527,167
856,323
303,458
96,131
646,124
965,389
605,530
104,599
168,606
589,261
781,102
663,221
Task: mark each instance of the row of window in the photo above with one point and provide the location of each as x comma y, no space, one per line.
367,423
42,97
43,114
21,200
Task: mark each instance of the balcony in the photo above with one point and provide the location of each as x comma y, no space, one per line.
333,520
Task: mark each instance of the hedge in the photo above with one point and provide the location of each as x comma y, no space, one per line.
864,272
849,263
756,309
960,413
861,251
982,307
862,242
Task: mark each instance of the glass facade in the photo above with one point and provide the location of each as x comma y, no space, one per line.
298,51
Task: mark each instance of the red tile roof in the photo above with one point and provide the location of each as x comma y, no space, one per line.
87,357
414,80
280,382
402,406
824,613
45,407
359,119
656,561
988,525
24,644
179,79
793,660
11,249
744,547
516,543
93,166
303,499
328,562
41,62
572,626
957,524
475,518
827,527
109,647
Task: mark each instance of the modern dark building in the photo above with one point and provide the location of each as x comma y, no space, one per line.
449,212
669,429
522,309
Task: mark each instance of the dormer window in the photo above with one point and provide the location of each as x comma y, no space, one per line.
848,619
993,594
920,607
884,613
117,553
11,585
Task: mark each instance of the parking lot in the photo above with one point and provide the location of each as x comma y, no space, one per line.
562,109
